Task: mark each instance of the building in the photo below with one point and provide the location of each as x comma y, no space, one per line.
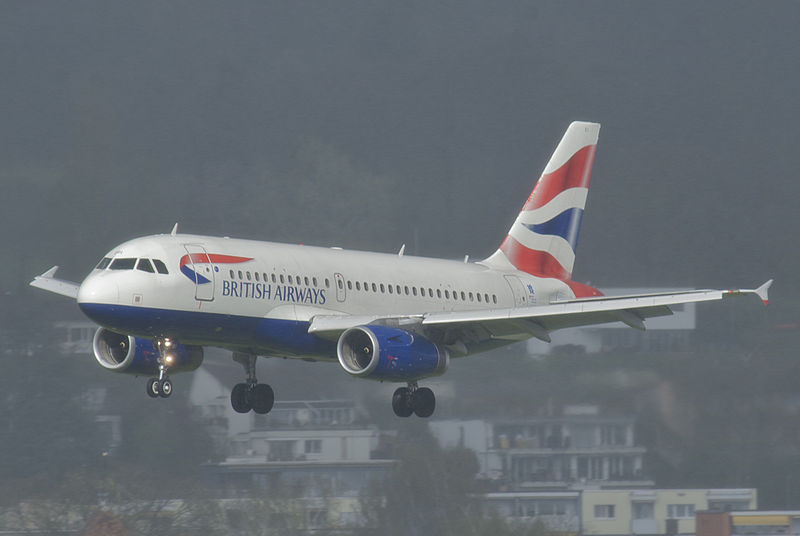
576,449
748,523
655,511
304,466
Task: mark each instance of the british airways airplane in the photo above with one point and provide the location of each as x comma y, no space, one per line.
389,317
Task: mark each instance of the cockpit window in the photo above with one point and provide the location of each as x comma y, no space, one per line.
160,266
145,266
102,265
122,264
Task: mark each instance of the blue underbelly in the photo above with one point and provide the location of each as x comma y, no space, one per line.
264,336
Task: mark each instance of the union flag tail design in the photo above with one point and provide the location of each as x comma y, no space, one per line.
544,236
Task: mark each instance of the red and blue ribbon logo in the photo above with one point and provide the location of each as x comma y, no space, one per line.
197,259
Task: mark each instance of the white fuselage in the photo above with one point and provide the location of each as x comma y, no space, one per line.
260,297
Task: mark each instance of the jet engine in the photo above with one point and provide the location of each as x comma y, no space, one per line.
391,354
131,355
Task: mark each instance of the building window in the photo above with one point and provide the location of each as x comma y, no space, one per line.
313,446
604,511
680,511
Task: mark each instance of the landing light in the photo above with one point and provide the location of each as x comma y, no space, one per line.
168,359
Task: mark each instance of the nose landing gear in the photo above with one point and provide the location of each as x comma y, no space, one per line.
162,385
251,395
413,399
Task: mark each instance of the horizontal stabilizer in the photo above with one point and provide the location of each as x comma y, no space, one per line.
47,282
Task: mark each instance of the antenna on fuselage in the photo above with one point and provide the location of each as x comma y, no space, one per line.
174,229
402,250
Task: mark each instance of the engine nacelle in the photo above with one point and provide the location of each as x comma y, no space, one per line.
383,353
124,353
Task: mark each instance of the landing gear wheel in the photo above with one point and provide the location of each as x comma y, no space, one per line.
165,388
153,389
239,399
262,397
401,402
423,402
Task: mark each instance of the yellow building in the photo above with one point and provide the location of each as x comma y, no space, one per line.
655,511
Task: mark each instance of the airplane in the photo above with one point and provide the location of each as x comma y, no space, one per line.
389,317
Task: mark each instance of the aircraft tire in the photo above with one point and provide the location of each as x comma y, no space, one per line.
153,388
401,402
262,398
239,399
423,402
165,388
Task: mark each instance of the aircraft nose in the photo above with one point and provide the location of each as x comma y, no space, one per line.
100,290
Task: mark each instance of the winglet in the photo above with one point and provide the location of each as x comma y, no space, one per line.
762,291
50,273
47,282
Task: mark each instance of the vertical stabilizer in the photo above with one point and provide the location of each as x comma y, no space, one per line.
544,236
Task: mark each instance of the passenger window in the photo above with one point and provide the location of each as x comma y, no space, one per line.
358,285
494,298
479,297
438,293
374,287
463,296
486,297
122,264
397,287
306,280
274,279
391,290
422,291
233,276
248,276
282,280
349,285
447,294
338,282
414,291
145,266
314,280
430,292
240,275
290,281
327,283
470,297
103,264
406,290
383,288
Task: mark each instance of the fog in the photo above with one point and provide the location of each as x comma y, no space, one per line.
369,125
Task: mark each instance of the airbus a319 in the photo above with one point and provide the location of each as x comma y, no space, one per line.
390,317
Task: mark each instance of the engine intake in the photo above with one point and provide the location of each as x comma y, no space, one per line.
383,353
131,355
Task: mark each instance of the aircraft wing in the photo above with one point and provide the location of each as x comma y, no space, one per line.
479,326
46,281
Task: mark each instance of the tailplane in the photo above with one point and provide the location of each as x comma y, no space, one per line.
544,236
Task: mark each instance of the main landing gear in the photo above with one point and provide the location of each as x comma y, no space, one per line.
162,385
251,395
412,399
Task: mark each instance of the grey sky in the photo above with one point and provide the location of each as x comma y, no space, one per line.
120,118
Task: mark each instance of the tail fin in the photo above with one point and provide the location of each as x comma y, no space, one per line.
544,236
